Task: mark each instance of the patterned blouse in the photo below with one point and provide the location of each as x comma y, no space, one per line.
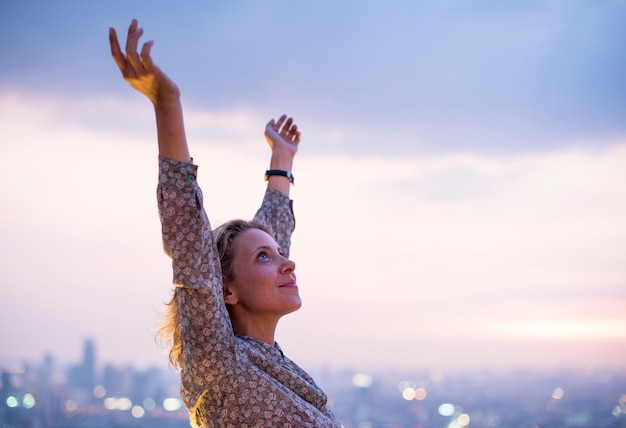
228,380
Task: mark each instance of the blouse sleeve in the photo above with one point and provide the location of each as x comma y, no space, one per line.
205,326
276,212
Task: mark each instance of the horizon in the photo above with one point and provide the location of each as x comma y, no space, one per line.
19,365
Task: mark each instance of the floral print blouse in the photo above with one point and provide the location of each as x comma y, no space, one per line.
228,380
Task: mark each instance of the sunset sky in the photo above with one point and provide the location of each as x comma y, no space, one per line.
460,187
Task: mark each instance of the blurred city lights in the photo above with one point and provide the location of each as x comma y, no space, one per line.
124,404
172,404
28,401
408,394
514,405
99,391
558,393
620,409
12,401
71,406
420,394
114,403
149,404
463,419
109,403
446,409
412,390
137,411
362,380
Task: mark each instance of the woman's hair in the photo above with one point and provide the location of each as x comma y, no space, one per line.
223,238
225,235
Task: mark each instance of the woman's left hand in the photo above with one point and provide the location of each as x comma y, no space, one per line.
283,136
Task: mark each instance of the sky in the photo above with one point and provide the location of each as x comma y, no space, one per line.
460,185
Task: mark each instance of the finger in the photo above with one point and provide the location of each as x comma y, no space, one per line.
134,33
132,29
146,59
293,130
287,125
295,135
280,122
116,52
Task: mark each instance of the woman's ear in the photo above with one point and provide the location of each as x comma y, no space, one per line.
230,298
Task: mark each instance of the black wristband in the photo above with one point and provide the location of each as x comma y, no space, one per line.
280,172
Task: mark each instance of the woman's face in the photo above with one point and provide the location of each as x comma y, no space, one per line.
264,280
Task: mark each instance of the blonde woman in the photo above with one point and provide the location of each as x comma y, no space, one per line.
232,284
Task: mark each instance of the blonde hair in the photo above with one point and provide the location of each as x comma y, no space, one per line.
223,237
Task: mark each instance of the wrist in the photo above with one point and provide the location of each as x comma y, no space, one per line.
283,174
281,160
167,98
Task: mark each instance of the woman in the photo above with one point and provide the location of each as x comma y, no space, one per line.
233,284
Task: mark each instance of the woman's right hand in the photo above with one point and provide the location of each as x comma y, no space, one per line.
147,78
139,70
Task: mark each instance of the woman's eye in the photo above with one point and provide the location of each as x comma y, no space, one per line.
262,256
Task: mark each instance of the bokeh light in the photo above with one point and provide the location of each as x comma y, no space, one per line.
114,403
420,393
28,401
172,404
446,409
463,419
99,391
137,412
558,393
12,401
408,394
71,406
362,380
149,404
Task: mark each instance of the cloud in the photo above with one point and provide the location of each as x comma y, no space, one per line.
488,76
411,253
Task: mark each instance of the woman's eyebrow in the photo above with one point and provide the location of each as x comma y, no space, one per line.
268,247
261,248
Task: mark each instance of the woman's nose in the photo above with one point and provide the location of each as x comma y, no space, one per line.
288,266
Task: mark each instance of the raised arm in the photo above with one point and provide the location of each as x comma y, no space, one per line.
142,74
283,138
201,330
276,211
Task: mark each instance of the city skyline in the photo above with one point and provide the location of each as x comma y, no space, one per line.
460,187
83,396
